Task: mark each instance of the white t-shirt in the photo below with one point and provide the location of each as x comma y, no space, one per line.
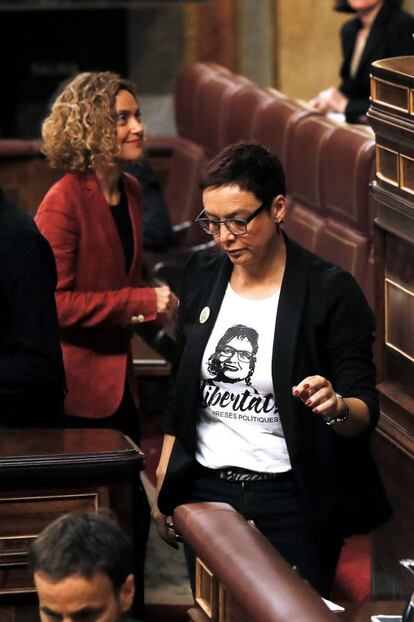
238,423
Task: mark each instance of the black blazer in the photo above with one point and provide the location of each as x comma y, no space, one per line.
32,380
324,326
391,35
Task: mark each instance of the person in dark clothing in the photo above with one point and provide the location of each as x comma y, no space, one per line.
289,449
380,29
82,565
32,380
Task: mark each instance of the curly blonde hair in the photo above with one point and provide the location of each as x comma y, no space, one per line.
80,131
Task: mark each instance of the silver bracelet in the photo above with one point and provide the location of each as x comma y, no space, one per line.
340,418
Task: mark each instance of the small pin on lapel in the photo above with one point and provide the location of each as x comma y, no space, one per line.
204,315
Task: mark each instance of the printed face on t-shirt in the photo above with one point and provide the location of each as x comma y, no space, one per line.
234,357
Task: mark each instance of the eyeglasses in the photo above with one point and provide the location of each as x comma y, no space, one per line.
243,355
236,226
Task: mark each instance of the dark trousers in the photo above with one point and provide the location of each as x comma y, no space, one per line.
279,513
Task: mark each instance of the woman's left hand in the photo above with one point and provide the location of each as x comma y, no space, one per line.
317,393
330,100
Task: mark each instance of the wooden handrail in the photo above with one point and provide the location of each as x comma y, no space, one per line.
241,558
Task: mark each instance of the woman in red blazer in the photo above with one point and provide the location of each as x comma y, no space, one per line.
92,218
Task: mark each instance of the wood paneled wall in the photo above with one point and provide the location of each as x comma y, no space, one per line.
211,34
290,44
307,46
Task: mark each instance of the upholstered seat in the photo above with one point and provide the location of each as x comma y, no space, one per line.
306,215
187,90
274,122
347,160
346,171
239,113
214,98
182,193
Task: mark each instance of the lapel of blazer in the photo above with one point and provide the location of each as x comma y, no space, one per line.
288,322
96,203
349,40
376,34
213,291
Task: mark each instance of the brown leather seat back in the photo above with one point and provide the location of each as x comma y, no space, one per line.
187,90
306,142
239,113
214,96
273,123
306,216
345,247
346,170
303,225
182,194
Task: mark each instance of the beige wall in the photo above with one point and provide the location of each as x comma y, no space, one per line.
307,48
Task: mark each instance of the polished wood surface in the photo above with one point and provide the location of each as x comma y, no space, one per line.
210,33
362,612
33,447
45,473
391,116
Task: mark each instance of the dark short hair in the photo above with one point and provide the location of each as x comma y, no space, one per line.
343,6
83,543
251,167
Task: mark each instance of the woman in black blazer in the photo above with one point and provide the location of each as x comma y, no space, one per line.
274,390
380,29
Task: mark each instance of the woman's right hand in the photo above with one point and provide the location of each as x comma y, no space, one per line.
165,527
167,301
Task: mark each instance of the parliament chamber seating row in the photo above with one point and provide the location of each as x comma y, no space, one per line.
328,166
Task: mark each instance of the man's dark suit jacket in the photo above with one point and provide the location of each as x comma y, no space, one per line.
32,379
391,35
324,326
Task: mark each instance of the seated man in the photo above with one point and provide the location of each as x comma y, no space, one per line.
82,564
32,380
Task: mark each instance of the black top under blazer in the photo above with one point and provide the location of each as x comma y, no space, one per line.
32,380
323,326
391,35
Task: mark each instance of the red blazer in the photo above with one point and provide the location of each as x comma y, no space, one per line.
95,296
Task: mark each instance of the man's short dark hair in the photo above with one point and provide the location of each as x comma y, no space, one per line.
251,167
83,543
